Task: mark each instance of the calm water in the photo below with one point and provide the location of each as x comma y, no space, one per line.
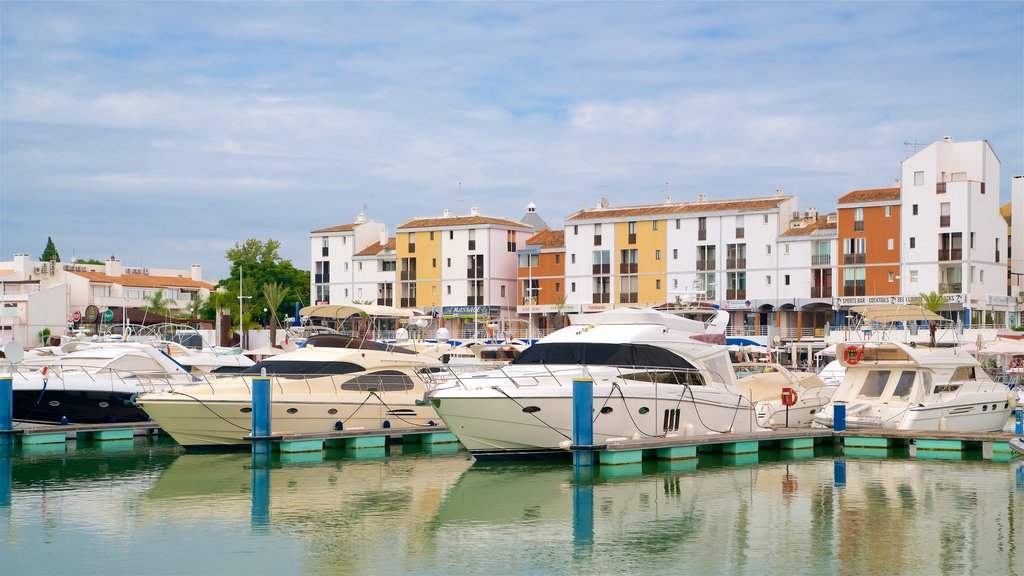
148,508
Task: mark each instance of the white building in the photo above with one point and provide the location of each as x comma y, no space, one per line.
954,235
333,275
57,295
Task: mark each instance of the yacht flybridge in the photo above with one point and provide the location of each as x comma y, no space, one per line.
653,373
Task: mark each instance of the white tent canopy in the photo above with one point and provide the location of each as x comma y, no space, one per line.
887,313
342,311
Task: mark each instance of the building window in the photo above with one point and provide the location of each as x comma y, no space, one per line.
675,282
344,242
786,246
944,215
558,258
913,209
597,234
765,218
449,289
740,229
657,254
472,240
919,178
958,177
972,240
981,276
431,234
510,240
677,224
654,225
890,243
892,277
913,276
502,291
575,230
675,253
360,268
558,286
573,287
858,219
632,232
702,228
412,242
657,284
433,290
768,249
572,258
324,246
768,280
346,266
451,234
913,242
785,279
449,262
888,211
433,262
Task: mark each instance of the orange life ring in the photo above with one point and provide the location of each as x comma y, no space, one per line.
854,354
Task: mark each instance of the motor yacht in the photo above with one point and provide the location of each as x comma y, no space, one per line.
763,384
653,375
895,385
95,383
332,382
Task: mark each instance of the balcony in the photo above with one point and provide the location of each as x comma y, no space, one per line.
600,269
821,291
602,298
950,287
383,302
948,254
858,288
597,239
702,234
412,248
736,294
705,264
475,301
407,302
858,258
627,268
821,260
736,263
944,221
474,273
408,275
940,187
628,298
632,238
858,225
324,251
321,278
472,245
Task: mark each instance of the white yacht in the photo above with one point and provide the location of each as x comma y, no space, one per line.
653,376
763,382
895,385
332,382
95,383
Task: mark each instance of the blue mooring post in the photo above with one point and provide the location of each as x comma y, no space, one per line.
6,409
260,509
1018,423
296,321
839,416
261,415
839,472
582,420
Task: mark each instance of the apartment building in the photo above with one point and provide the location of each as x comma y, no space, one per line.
462,268
62,296
955,237
334,278
870,241
542,289
657,254
376,268
806,275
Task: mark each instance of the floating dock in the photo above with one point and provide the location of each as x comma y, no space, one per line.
59,434
356,439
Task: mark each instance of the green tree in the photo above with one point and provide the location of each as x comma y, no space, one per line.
273,295
50,252
932,301
195,306
156,302
253,251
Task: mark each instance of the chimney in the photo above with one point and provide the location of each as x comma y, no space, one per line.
948,139
702,198
197,272
668,199
531,207
812,213
474,211
897,183
383,236
446,213
113,267
778,192
361,217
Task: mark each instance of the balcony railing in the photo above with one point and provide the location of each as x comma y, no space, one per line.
858,225
858,288
821,259
741,232
821,291
736,263
736,294
602,269
474,273
383,302
408,275
940,187
412,248
627,268
602,298
858,258
705,264
702,234
597,239
628,297
324,250
475,301
950,287
472,245
632,238
407,302
945,255
944,221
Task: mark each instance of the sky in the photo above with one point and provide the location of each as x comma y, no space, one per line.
165,132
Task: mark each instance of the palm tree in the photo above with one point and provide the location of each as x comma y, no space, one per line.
220,301
933,302
156,303
273,295
194,306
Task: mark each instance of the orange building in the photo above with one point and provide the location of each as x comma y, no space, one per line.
542,278
869,243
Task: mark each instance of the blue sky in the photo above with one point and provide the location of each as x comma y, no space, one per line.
164,132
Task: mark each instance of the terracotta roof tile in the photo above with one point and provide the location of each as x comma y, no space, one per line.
744,204
377,248
342,228
547,239
874,195
819,226
459,221
143,281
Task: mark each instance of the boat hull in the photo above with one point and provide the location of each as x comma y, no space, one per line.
55,406
988,413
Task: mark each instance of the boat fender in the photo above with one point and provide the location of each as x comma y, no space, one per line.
854,354
339,425
1011,399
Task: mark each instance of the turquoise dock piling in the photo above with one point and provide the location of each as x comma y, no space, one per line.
582,421
261,443
6,410
1018,417
260,507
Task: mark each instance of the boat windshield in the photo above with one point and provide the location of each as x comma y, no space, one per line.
601,354
302,367
342,341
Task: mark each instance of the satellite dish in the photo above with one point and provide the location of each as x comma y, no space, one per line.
14,352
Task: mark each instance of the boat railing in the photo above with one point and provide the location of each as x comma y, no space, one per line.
397,380
560,376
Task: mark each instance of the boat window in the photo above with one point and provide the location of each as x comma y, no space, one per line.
342,341
904,386
499,354
689,378
963,373
874,383
601,354
302,367
382,381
